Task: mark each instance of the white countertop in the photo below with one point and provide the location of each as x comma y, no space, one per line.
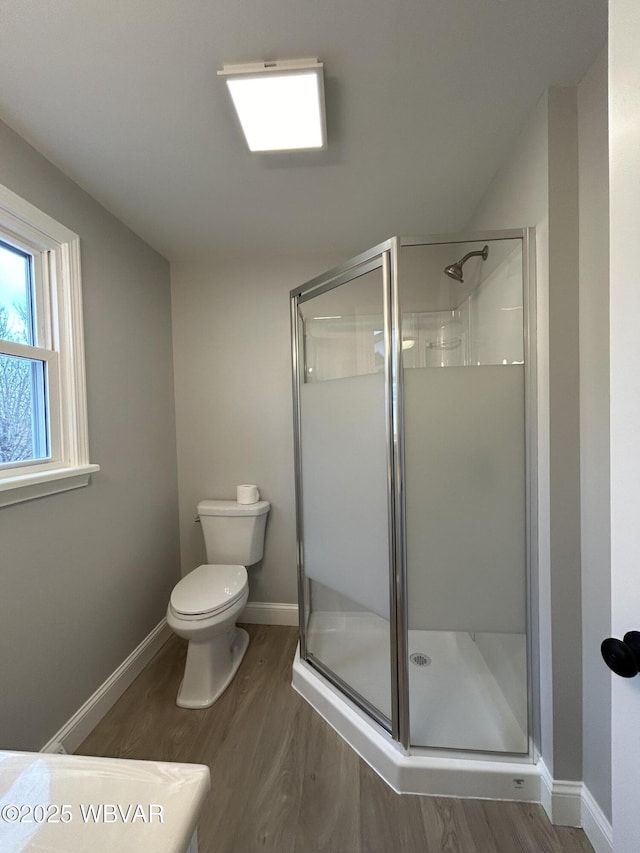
79,803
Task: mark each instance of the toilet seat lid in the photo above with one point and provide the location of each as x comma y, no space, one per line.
209,588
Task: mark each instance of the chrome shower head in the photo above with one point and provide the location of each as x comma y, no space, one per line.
455,270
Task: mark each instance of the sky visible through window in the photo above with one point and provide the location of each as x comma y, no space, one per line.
14,295
22,429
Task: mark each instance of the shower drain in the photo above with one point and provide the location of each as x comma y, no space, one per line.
419,659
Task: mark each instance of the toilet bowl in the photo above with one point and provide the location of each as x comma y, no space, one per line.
203,609
206,603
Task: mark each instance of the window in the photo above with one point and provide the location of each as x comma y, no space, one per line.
43,417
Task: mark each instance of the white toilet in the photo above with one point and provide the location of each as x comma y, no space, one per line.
205,604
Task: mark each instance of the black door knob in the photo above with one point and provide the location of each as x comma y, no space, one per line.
622,656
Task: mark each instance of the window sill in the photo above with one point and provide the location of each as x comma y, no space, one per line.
38,484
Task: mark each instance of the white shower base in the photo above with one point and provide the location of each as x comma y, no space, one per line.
419,770
455,701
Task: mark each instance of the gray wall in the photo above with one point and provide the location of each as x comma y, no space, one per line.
87,574
564,433
232,362
594,428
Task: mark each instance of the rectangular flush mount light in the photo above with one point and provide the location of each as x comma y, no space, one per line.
280,104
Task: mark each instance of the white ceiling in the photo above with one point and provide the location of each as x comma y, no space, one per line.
424,98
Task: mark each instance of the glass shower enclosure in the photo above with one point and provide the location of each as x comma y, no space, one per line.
413,411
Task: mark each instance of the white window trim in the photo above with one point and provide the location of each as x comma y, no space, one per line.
71,468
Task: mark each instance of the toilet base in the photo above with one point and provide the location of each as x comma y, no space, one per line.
210,668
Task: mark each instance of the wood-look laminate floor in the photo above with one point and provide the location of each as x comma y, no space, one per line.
284,782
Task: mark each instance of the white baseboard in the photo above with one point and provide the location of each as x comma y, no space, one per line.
546,786
572,804
561,800
86,718
595,824
268,613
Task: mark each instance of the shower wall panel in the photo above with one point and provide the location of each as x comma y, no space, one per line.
493,314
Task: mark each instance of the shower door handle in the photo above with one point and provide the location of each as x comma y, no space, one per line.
622,656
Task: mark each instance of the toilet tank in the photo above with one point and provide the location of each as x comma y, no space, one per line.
233,532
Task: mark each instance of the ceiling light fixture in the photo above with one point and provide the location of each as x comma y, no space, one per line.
280,104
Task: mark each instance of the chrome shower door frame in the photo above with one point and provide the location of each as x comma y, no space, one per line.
379,257
527,238
387,256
